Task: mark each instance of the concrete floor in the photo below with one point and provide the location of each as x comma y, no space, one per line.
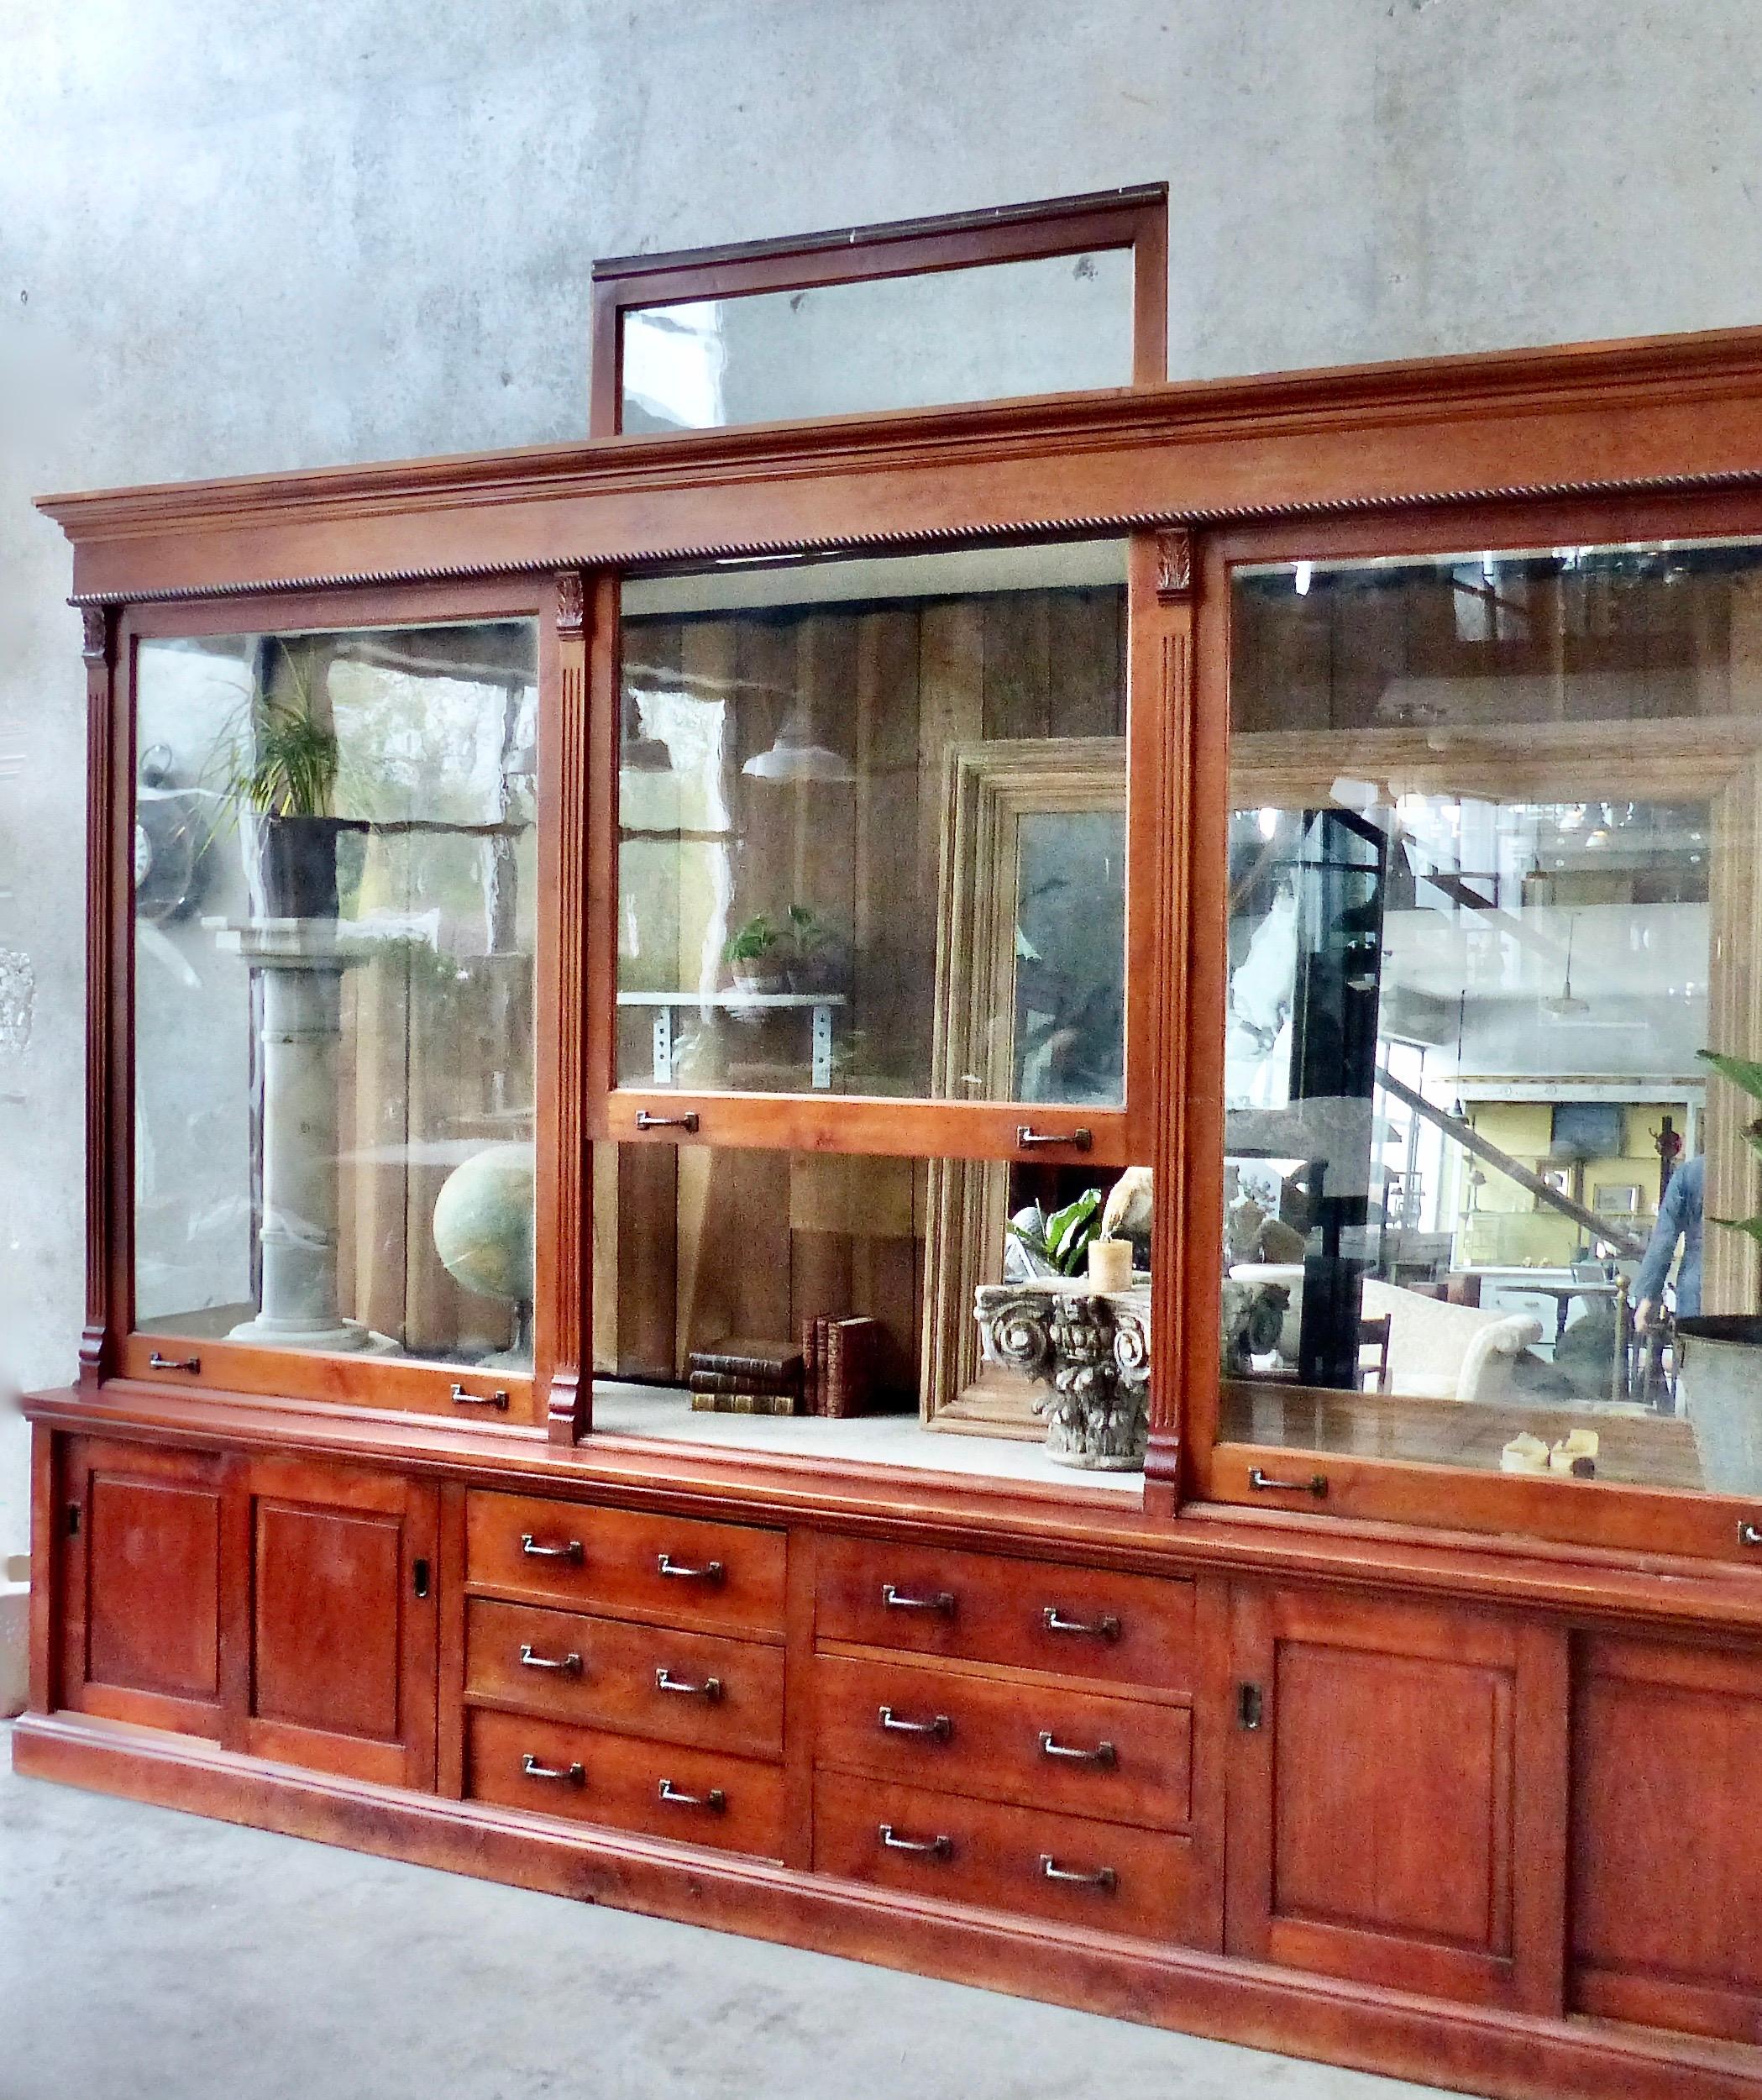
149,1955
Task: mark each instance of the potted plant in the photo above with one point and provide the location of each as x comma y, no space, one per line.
1719,1355
757,957
282,774
1058,1244
816,959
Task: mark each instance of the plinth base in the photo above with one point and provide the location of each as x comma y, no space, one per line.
343,1337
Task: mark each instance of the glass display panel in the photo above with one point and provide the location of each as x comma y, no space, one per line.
335,894
872,827
855,1304
1051,325
1494,862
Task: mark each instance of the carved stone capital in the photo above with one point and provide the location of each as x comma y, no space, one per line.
1174,563
99,621
571,604
1089,1353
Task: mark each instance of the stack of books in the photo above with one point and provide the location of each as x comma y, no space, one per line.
841,1356
738,1377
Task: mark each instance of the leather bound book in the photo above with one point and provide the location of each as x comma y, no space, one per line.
850,1366
766,1363
746,1403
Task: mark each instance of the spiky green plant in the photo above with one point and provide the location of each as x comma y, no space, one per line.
1744,1074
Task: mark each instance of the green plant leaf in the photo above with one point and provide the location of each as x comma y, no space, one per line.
1070,1230
1744,1073
1750,1226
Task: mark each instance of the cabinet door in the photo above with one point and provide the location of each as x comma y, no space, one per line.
1666,1845
342,1621
142,1627
1398,1796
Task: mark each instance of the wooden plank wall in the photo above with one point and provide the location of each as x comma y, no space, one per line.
754,1242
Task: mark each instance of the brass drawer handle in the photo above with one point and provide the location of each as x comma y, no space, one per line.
530,1546
941,1727
710,1571
570,1663
646,1122
157,1362
895,1601
460,1398
715,1800
1105,1628
935,1848
1102,1754
1316,1484
568,1775
1098,1877
1027,1137
665,1681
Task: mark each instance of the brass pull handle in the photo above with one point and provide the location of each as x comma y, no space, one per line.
646,1122
566,1775
157,1362
1748,1534
1096,1877
665,1681
935,1848
941,1727
895,1601
1102,1754
570,1663
463,1398
1105,1628
710,1571
530,1546
715,1800
1316,1484
1028,1137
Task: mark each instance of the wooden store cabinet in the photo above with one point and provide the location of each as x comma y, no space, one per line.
380,1512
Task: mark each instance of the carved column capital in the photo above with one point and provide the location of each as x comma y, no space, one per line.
100,626
1174,563
571,604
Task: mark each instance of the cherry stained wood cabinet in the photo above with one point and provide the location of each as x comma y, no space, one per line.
1397,1761
285,1609
1397,1794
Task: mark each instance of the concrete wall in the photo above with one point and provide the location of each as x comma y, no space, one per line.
234,237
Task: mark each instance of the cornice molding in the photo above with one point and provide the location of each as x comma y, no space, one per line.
1360,439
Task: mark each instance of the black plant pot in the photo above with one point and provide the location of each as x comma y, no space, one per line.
297,861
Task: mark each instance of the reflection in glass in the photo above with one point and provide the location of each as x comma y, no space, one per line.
1054,324
872,827
1492,872
334,892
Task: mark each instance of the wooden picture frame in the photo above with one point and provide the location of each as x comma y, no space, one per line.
988,789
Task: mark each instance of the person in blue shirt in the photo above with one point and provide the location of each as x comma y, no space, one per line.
1679,1218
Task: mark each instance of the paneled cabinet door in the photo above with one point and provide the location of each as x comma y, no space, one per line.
1397,1795
342,1600
142,1628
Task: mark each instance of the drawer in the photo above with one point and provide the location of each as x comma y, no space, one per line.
679,1687
1077,1621
670,1571
699,1797
937,1845
1044,1746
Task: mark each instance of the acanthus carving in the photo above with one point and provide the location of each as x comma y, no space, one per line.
98,622
571,604
1174,563
1090,1352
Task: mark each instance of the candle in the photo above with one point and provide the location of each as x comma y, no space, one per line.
1110,1264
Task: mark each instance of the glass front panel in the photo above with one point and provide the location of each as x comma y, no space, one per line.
1052,325
858,1305
872,827
335,891
1494,867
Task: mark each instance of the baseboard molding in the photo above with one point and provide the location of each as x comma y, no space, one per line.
1505,2056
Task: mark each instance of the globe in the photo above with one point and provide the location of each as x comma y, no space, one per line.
483,1222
